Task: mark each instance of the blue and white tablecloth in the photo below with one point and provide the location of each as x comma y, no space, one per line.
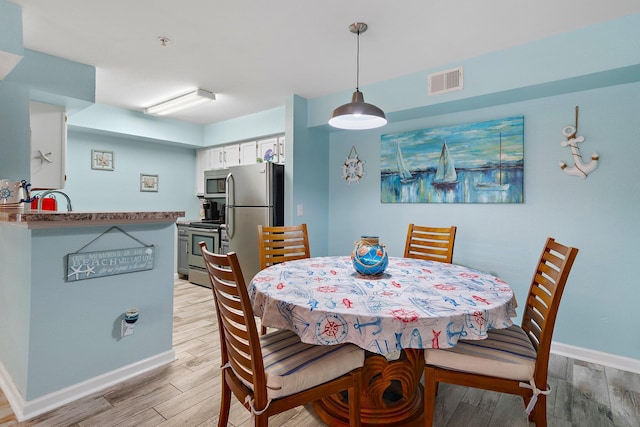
414,304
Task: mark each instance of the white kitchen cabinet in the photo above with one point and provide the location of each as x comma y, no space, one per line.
248,153
202,163
271,149
231,155
244,153
268,149
48,146
281,149
215,158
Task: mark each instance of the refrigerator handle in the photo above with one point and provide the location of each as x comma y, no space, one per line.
229,200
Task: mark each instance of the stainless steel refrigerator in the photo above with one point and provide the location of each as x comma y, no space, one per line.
254,195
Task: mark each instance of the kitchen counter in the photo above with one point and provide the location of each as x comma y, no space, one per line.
65,340
49,219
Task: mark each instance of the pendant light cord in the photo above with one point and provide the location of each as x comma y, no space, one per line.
358,61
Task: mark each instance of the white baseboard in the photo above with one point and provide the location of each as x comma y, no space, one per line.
25,410
606,359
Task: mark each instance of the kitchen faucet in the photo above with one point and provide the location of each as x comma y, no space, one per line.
46,193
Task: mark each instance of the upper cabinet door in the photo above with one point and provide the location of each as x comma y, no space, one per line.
248,153
231,155
281,150
268,149
48,146
216,158
202,158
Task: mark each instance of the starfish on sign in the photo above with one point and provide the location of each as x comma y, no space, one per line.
76,271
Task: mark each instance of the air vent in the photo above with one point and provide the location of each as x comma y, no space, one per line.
445,81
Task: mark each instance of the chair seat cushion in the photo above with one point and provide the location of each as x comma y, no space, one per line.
506,353
292,366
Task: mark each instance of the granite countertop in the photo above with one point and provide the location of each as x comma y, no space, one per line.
49,219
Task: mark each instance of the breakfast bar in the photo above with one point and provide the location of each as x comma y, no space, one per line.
62,334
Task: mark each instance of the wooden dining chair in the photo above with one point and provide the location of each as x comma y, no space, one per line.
277,244
280,244
513,360
275,372
430,243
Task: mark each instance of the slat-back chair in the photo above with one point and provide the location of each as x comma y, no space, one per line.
430,243
281,244
275,372
513,360
277,244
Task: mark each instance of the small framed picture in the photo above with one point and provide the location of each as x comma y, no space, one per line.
102,160
148,182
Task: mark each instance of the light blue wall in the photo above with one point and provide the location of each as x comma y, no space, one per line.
307,153
269,122
119,190
146,144
579,60
14,132
62,79
15,302
598,215
64,333
11,28
135,124
75,326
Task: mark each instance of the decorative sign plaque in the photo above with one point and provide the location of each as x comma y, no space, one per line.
89,265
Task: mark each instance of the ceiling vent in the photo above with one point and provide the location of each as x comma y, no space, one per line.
445,81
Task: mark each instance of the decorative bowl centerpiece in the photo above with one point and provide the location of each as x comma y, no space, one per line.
369,257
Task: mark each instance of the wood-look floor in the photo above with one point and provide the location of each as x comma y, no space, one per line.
187,391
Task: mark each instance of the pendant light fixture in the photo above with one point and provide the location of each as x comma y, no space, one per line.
357,114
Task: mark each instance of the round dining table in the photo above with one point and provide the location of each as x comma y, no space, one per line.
414,305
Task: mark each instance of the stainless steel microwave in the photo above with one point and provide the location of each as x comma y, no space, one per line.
215,183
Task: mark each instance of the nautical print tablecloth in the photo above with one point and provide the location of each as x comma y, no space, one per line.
414,304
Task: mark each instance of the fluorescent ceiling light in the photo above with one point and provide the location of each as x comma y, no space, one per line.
191,99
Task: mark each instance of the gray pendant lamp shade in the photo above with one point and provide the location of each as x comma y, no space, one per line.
357,114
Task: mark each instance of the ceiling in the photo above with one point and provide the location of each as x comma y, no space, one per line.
253,53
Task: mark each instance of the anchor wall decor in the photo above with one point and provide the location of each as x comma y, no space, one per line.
579,168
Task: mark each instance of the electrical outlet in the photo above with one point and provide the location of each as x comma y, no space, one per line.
127,329
300,210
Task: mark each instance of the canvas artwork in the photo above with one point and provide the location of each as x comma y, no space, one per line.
468,163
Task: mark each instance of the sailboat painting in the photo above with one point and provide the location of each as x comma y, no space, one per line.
495,186
403,171
480,162
446,172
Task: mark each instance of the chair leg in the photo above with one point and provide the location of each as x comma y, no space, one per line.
354,400
261,420
225,403
263,330
430,388
540,411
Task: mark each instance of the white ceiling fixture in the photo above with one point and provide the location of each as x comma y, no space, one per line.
188,100
357,114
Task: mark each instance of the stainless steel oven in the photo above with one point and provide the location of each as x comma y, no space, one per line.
201,232
224,239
